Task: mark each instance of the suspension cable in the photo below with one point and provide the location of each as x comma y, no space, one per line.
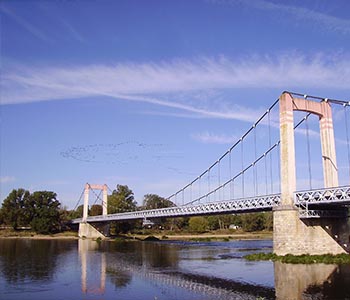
347,132
242,164
266,184
308,149
81,195
230,173
255,168
208,183
270,156
232,147
267,153
98,197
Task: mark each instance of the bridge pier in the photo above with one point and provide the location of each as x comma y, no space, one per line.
88,231
290,233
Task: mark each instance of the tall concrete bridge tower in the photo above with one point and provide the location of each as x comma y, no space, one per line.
292,234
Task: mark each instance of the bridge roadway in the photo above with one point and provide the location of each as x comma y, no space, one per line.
306,201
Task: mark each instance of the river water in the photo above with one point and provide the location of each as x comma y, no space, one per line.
85,269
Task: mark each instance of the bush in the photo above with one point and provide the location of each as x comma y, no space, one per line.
198,224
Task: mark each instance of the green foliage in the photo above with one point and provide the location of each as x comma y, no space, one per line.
40,210
121,200
198,224
45,211
95,210
253,222
78,212
152,201
15,208
301,259
1,217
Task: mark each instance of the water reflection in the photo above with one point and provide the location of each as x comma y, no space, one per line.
159,263
293,280
85,269
24,259
84,248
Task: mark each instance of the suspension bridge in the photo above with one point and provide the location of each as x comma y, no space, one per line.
259,173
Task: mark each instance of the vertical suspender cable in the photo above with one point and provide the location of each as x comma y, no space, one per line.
266,184
242,167
208,184
191,192
255,168
219,180
200,187
347,132
230,170
270,155
308,150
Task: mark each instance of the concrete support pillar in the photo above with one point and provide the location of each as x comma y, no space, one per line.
288,177
290,234
330,170
104,200
86,202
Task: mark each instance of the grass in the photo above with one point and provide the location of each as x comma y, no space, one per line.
301,259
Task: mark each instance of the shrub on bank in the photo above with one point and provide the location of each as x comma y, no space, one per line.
301,259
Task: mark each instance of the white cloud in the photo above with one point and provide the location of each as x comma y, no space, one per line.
299,13
7,179
38,33
210,138
183,85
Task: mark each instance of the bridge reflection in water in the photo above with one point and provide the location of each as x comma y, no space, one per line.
151,263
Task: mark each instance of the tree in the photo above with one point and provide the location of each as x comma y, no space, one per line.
198,224
15,208
152,201
46,215
1,217
253,222
121,200
96,210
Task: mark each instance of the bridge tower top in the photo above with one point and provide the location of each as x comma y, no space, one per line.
88,187
323,110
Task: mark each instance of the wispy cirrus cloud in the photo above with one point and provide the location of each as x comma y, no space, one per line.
211,138
298,13
174,84
7,179
35,31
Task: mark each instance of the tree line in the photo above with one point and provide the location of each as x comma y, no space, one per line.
42,212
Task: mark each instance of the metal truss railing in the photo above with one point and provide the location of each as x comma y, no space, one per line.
251,204
316,214
337,195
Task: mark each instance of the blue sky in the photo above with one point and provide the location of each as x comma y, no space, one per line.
150,93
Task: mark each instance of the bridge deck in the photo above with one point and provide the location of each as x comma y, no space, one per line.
330,196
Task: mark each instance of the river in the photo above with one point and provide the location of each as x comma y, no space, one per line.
85,269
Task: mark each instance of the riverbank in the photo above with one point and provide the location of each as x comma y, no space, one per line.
15,234
210,236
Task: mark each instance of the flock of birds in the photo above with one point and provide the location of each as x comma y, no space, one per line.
124,153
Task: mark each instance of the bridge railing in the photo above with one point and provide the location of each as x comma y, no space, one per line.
251,204
323,196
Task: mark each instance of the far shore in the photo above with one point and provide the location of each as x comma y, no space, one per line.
164,236
207,236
